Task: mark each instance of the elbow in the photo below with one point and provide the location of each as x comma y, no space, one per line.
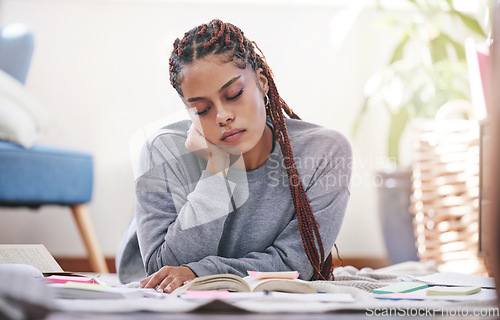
158,259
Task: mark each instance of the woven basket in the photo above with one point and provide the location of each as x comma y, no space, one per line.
445,197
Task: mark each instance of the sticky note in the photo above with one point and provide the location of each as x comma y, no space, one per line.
451,291
274,275
85,286
400,287
64,279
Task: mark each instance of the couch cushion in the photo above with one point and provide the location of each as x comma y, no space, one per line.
44,175
22,117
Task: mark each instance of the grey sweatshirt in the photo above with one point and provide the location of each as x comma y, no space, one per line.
187,216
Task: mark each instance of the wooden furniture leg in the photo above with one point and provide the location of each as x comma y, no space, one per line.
96,258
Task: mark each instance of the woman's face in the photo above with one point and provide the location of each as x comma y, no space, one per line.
226,103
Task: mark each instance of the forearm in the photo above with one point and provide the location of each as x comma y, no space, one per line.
170,238
270,260
287,252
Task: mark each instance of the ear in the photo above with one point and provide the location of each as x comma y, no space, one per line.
262,81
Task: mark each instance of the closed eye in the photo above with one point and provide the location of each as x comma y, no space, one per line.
236,96
199,113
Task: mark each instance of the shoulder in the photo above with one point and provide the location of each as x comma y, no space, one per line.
173,131
310,138
172,135
322,155
165,143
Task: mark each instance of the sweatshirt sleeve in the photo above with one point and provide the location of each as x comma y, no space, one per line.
180,208
287,252
327,188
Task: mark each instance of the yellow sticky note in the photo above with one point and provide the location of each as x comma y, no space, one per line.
445,291
85,286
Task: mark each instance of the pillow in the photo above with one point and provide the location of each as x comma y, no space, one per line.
16,124
22,118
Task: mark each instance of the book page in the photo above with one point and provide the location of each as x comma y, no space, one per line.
228,282
457,279
280,285
35,255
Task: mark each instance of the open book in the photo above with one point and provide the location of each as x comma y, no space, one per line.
35,255
234,283
20,263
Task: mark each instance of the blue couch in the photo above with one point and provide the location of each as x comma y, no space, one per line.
43,175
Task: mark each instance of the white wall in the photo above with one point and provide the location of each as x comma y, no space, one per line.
99,66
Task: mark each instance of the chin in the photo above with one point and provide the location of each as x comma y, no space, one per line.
232,149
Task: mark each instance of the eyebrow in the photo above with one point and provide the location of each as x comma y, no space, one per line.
230,82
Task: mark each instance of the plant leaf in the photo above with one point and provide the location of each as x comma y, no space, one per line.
471,23
438,48
399,50
450,3
459,48
397,126
361,115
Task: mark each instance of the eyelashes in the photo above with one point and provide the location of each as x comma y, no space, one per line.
200,113
236,96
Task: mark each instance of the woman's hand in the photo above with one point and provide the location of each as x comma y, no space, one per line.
168,278
218,159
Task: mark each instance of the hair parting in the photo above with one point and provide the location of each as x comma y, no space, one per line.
217,37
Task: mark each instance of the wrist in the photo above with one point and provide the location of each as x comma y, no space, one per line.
218,164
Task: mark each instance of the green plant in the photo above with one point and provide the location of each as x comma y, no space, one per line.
427,68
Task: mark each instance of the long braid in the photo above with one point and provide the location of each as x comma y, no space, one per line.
217,37
307,223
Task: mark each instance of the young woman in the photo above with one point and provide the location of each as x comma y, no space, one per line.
238,187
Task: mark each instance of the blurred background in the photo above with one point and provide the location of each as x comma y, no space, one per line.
100,69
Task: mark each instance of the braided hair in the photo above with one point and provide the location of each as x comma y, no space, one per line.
215,38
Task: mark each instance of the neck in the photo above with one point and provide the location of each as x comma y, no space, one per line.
259,154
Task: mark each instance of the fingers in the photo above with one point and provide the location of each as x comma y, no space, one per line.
167,279
145,281
170,284
155,279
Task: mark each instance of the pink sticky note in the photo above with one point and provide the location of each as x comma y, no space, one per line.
214,294
274,275
64,279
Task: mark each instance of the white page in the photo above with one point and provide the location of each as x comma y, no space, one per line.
457,279
35,255
282,296
168,305
483,295
319,297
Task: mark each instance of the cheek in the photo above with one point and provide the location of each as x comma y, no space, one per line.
259,107
257,102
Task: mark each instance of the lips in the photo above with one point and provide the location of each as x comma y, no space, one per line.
232,135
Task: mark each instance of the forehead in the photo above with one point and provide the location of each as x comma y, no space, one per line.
208,75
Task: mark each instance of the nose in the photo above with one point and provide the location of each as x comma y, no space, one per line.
224,116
